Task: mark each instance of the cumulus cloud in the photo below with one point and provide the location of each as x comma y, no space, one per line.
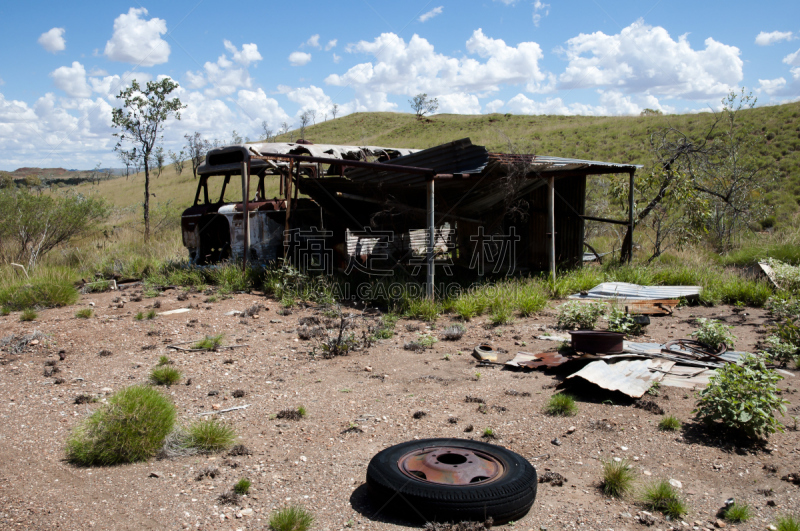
460,103
409,68
507,2
645,59
257,107
494,106
138,41
766,39
539,7
53,40
792,59
313,41
246,56
72,80
331,44
611,103
226,76
337,58
299,58
308,98
781,87
430,14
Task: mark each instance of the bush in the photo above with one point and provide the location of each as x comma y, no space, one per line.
786,276
743,397
165,376
242,486
561,405
738,512
669,423
661,496
293,518
131,427
781,351
783,307
621,321
28,314
208,436
84,313
787,523
209,342
49,289
583,315
713,333
454,332
618,478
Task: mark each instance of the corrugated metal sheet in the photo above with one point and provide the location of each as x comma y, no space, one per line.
631,377
624,291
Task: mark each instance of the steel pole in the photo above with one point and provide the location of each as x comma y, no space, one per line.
246,212
431,242
551,226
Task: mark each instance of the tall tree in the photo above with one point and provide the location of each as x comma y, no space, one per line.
269,134
160,157
335,110
304,119
422,104
197,148
141,119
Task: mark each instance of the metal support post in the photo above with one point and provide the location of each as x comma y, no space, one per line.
630,218
431,241
551,226
246,211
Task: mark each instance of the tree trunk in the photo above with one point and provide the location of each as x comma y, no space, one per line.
146,201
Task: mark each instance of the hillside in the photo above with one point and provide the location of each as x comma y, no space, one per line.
616,139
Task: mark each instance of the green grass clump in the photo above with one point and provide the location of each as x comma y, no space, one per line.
165,375
501,314
208,436
302,411
669,423
163,360
151,314
423,309
738,512
788,523
139,316
468,306
242,486
28,314
561,405
130,428
293,518
5,311
661,496
230,278
209,342
530,301
50,289
489,433
84,313
618,478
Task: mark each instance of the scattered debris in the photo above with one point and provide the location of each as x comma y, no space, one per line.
469,429
105,353
511,392
474,400
238,450
419,414
632,377
239,393
650,406
289,414
223,410
484,353
84,399
553,478
17,344
461,526
793,477
452,420
173,312
229,498
625,292
352,429
207,472
603,424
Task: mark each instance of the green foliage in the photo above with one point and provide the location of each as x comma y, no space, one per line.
84,313
618,478
669,423
209,342
502,313
468,306
139,316
561,405
743,397
787,523
28,314
621,321
46,289
579,314
738,512
786,276
423,309
293,518
5,311
780,351
661,496
301,410
713,333
165,375
242,486
489,433
131,427
531,300
209,436
287,283
151,314
782,307
385,329
163,360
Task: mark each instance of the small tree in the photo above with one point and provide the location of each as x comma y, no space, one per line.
268,132
32,181
313,115
178,160
284,128
141,119
197,147
159,156
335,110
6,180
422,105
304,119
236,138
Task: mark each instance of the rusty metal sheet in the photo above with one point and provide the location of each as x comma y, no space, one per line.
653,307
624,291
528,360
630,377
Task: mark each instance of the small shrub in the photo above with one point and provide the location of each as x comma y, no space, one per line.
501,314
84,313
165,375
669,423
163,360
242,486
5,311
454,332
209,436
423,309
713,333
139,316
561,405
618,478
209,343
131,427
578,314
151,314
661,496
53,288
28,314
783,307
621,321
301,410
781,351
530,301
786,276
385,329
292,414
468,307
744,397
787,523
293,518
488,433
738,512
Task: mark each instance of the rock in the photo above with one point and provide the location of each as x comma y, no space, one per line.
720,524
571,429
155,475
106,390
275,321
233,312
215,407
556,441
623,448
367,369
247,512
675,483
646,518
303,458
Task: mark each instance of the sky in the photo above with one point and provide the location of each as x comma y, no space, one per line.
240,65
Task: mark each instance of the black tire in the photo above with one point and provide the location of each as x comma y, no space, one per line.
508,497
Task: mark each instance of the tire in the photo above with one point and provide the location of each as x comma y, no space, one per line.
508,497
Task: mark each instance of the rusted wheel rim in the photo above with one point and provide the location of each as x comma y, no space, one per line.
451,465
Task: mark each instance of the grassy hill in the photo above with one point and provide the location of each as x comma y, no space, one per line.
615,139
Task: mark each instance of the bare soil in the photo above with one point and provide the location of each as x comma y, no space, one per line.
357,405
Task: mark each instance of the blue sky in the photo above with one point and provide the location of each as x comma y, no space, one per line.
242,64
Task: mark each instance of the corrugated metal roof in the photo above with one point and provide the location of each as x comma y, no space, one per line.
623,291
631,377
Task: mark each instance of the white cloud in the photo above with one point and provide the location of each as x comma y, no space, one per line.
72,80
246,56
409,68
2,82
225,76
53,40
611,103
331,44
771,86
337,58
494,106
430,14
313,41
507,2
645,59
538,6
257,107
460,103
792,59
766,39
138,41
308,98
299,58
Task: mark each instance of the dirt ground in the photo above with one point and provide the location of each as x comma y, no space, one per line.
314,462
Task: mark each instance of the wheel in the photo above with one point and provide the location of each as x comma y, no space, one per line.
452,480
